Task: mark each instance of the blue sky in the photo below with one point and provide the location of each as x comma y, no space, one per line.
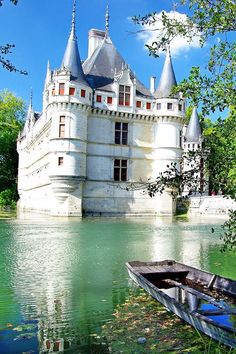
40,29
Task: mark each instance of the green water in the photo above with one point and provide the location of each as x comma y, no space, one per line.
64,278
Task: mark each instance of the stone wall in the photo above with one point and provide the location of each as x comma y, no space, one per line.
214,205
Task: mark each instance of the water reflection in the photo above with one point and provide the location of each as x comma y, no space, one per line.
69,275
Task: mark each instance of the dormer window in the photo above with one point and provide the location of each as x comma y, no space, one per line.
82,93
170,106
109,100
148,105
124,95
99,98
71,91
61,89
180,107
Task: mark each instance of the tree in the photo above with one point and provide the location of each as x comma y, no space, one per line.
221,141
7,49
215,89
11,122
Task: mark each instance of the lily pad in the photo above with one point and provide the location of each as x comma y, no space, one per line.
25,327
25,336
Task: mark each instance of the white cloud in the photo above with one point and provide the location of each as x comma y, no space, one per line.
178,45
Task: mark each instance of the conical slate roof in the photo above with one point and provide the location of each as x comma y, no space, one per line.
71,60
167,80
102,65
194,131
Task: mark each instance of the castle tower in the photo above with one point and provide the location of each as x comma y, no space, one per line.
170,110
193,142
69,97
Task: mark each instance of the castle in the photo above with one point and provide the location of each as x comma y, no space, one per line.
100,130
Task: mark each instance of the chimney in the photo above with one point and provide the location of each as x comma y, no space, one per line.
152,84
95,38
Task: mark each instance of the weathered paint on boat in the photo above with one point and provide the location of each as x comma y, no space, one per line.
204,312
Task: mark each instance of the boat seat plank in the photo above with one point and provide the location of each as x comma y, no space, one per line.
197,293
217,312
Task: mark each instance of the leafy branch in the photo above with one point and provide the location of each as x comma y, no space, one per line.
6,49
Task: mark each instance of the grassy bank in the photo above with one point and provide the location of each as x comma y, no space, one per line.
7,214
142,325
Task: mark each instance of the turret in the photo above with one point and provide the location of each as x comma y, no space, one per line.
29,118
193,142
70,97
71,60
47,82
170,111
167,80
193,135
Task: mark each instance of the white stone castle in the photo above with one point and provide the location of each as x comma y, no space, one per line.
100,130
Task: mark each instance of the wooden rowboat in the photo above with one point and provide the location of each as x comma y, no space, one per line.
206,301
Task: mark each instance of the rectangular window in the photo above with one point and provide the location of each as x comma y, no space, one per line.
120,170
71,91
170,106
61,89
60,161
148,105
98,98
121,133
109,100
158,106
62,127
124,95
138,104
180,107
82,93
53,91
180,138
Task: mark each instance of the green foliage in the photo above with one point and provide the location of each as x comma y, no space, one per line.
229,236
8,198
11,122
221,162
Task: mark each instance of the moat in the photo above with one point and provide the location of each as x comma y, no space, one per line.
61,279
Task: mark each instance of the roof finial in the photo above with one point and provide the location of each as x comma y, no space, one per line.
168,48
31,99
107,21
73,35
30,108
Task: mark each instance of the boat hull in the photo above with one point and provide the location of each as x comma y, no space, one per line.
200,322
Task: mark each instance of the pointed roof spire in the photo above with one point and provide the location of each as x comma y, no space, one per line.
48,73
107,21
73,34
167,80
30,109
71,60
194,130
